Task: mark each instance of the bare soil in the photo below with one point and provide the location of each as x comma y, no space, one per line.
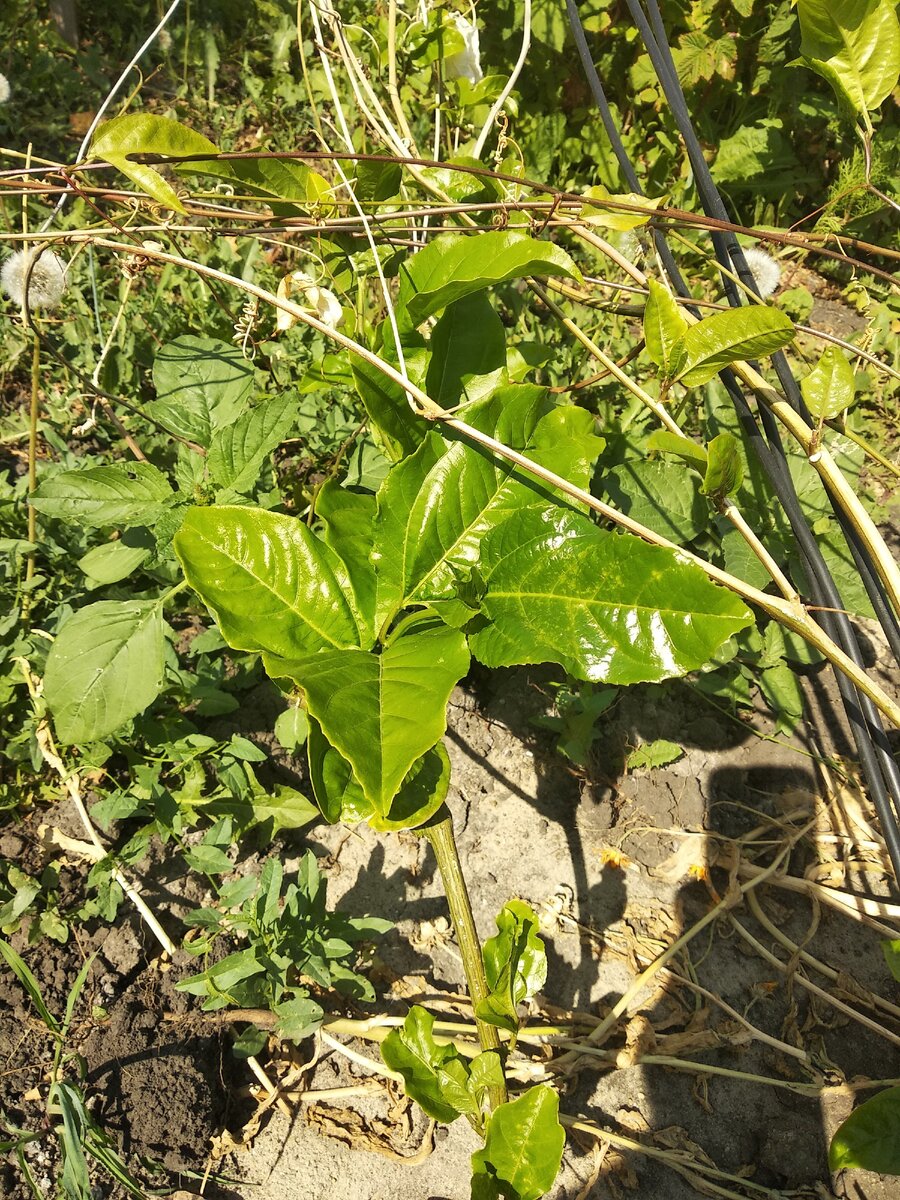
593,851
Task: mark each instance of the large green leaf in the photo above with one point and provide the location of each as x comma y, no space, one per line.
271,584
143,133
830,386
383,711
727,337
292,183
870,1137
349,519
340,797
606,606
467,341
436,507
201,385
396,428
104,668
237,450
661,495
456,265
125,494
523,1147
855,45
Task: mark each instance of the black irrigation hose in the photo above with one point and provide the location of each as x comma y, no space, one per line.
876,760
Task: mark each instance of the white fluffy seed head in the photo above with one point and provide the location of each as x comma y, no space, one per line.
47,282
5,89
765,270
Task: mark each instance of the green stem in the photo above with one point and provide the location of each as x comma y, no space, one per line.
33,415
443,841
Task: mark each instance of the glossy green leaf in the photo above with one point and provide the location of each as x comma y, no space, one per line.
653,754
383,711
271,584
436,507
201,385
143,133
524,1144
664,329
724,469
455,265
397,429
468,341
870,1137
606,606
237,450
892,957
515,965
373,182
726,337
127,494
413,1052
830,386
661,495
105,667
335,787
348,528
340,797
421,794
855,45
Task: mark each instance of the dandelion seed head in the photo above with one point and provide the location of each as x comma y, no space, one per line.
5,89
466,64
47,282
765,270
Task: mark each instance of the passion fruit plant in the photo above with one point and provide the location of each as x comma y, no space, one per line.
480,523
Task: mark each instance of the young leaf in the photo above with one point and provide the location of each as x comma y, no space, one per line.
455,265
127,494
142,133
421,794
269,582
111,562
727,337
284,807
201,385
830,386
869,1139
724,468
659,495
606,606
515,964
382,711
653,754
666,442
524,1145
664,329
104,668
413,1052
237,450
297,1018
855,45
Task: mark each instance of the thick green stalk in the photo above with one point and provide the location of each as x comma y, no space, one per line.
443,841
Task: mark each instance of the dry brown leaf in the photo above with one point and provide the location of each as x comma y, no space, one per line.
640,1039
